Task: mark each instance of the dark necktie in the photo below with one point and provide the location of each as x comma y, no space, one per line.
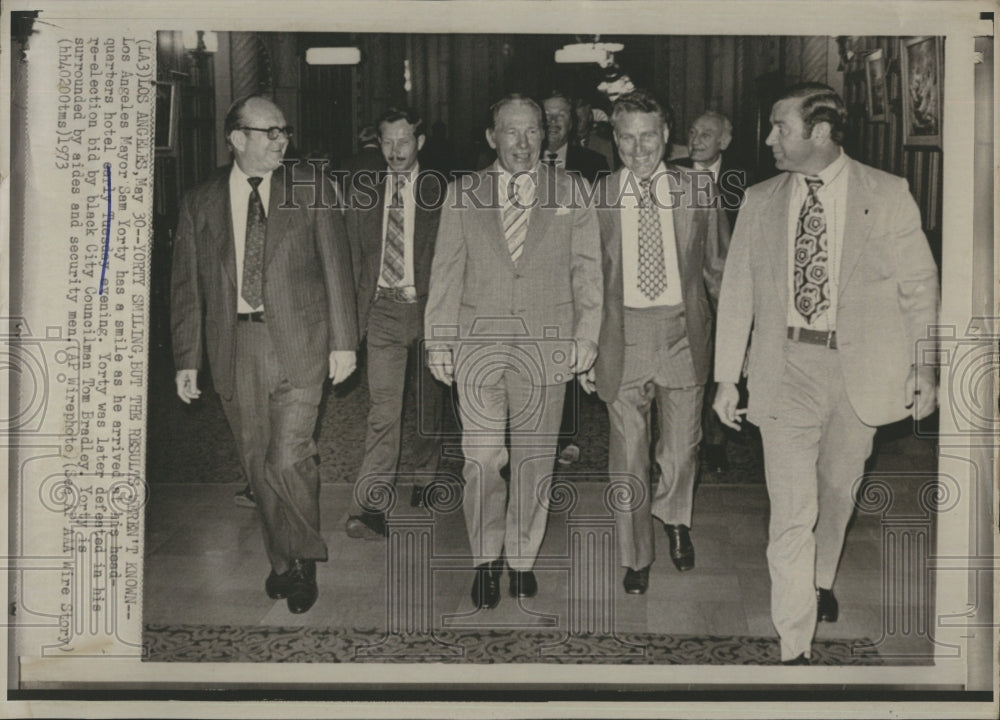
253,250
551,159
652,273
394,255
812,282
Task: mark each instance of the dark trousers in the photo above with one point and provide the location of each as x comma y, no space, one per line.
273,423
394,354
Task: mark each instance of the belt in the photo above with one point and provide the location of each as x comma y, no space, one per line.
405,294
251,316
827,338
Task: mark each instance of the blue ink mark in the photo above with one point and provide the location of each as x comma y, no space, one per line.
107,229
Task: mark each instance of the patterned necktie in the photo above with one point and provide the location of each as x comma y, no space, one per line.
652,273
253,249
394,257
812,282
515,218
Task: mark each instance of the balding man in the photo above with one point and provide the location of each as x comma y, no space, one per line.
262,279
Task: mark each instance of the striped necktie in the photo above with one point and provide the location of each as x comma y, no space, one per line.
515,218
394,255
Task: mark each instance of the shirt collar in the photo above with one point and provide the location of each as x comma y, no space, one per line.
506,177
714,168
627,173
238,177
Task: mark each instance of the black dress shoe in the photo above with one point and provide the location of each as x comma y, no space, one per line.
277,585
486,586
523,584
681,548
417,498
827,608
367,526
715,458
800,660
302,591
636,581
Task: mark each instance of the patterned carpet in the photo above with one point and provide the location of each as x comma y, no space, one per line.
196,643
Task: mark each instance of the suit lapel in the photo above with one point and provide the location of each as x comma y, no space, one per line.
775,226
277,219
858,223
613,242
682,223
543,211
490,218
220,222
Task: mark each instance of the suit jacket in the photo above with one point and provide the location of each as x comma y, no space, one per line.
887,284
588,163
700,232
308,286
479,298
364,227
732,183
367,158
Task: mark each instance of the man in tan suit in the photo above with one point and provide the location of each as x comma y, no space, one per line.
662,246
829,265
513,313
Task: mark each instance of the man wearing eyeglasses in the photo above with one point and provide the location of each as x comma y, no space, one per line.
262,280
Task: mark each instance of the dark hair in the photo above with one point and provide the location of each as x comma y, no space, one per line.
641,101
234,116
510,98
820,103
409,114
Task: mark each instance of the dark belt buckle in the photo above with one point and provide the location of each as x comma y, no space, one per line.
404,295
257,317
826,338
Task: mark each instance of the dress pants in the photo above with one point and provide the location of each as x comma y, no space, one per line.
497,521
394,352
658,366
273,423
814,454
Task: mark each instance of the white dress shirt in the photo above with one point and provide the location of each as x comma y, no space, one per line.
629,214
239,200
409,204
833,196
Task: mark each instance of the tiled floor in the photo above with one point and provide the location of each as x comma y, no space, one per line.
205,565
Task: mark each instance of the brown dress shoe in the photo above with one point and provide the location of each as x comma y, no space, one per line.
486,586
827,608
636,581
302,592
681,547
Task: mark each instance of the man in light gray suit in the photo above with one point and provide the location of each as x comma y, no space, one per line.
262,279
829,265
663,245
513,313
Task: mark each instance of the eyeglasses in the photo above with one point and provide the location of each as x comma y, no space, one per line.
272,132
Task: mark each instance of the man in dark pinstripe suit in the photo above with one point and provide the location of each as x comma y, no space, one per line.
262,279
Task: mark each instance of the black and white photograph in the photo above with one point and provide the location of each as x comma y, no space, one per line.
603,356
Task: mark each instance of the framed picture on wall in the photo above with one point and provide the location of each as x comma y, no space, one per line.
876,97
922,78
168,110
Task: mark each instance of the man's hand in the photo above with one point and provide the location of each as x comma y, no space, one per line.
587,381
920,391
583,354
727,397
439,360
187,385
342,364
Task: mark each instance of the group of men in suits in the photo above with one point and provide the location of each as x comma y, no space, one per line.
524,279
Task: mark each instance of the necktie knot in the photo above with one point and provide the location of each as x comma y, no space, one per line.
551,157
254,182
814,184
